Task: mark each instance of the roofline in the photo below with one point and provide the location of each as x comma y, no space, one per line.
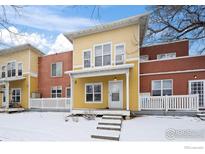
164,43
110,26
53,54
20,48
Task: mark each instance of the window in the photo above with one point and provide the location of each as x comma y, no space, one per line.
166,55
3,71
68,92
87,59
144,58
56,69
103,55
161,87
93,92
20,69
11,69
56,92
16,95
119,54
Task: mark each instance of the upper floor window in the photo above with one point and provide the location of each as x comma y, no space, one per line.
167,55
161,87
144,58
11,69
87,59
20,69
103,54
3,71
56,91
56,69
119,54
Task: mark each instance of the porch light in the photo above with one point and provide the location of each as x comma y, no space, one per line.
195,76
115,78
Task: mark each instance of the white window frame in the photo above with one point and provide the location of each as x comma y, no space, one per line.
18,68
14,61
87,50
166,56
162,88
92,84
5,71
67,93
56,87
115,53
102,44
16,95
56,69
147,58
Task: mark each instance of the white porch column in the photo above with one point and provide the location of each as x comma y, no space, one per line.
7,94
127,91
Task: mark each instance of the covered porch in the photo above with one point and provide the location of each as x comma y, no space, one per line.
8,92
103,90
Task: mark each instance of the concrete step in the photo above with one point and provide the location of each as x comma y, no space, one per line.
201,115
109,127
114,117
107,135
110,122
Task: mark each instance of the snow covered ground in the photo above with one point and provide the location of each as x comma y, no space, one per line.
51,126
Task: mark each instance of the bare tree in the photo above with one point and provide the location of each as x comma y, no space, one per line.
4,19
177,22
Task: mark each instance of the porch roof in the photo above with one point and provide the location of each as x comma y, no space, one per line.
100,71
4,80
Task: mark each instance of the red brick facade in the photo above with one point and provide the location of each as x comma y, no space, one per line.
46,81
180,47
180,70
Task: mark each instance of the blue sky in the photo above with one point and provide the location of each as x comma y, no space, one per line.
43,26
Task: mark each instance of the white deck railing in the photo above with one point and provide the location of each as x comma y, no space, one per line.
167,103
50,103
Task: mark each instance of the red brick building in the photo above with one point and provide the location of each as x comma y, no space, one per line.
52,80
167,69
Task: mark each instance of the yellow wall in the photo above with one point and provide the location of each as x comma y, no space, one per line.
34,85
127,35
34,61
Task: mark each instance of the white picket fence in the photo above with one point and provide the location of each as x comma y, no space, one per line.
50,103
167,103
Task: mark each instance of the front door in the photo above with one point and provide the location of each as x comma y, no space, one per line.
198,87
115,94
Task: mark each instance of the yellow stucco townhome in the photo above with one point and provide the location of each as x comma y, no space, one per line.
18,75
105,73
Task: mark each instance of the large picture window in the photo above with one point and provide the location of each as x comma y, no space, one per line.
93,92
119,54
161,87
103,54
16,95
56,69
56,92
87,59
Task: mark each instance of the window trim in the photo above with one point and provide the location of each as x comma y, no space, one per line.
12,61
94,102
111,54
161,82
144,56
66,92
118,44
12,94
56,91
18,68
166,57
56,69
91,64
4,71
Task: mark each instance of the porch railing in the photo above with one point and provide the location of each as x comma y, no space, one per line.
50,103
168,103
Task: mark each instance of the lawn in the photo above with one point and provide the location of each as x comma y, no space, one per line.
51,126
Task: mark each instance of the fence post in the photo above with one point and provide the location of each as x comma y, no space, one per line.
41,103
197,103
166,103
139,105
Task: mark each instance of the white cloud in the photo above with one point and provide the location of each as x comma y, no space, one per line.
47,19
60,44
